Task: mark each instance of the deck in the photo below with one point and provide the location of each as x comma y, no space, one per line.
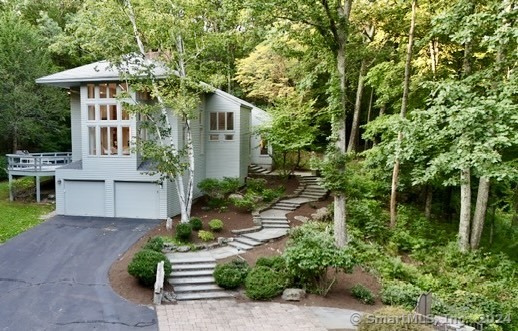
36,165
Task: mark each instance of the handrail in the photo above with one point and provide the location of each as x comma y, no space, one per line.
37,161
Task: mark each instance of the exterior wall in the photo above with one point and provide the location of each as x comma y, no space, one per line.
258,118
222,157
244,141
75,125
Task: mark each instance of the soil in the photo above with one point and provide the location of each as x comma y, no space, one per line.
339,295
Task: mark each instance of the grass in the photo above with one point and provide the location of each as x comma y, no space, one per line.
17,217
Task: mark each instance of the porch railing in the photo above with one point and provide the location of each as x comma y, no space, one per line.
37,161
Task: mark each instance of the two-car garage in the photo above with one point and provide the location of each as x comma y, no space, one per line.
112,198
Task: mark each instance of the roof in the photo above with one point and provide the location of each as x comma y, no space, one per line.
97,72
104,71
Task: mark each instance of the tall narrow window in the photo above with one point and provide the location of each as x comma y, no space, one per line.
91,112
91,91
103,91
92,141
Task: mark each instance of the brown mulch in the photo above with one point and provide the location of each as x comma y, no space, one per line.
339,296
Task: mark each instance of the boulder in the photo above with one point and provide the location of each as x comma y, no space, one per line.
321,214
183,249
235,196
301,218
293,294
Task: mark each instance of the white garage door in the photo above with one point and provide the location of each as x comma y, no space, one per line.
137,200
84,198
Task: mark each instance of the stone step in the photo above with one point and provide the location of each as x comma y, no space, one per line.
315,189
247,241
284,208
276,226
288,204
192,266
196,288
273,218
266,234
274,222
191,280
239,245
192,260
192,273
312,195
203,295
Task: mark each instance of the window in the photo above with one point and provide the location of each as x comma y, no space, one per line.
221,121
108,123
263,147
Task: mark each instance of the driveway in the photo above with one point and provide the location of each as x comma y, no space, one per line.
55,276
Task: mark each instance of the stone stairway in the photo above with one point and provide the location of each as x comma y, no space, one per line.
257,170
192,279
192,272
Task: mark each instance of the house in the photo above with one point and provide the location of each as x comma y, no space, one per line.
108,178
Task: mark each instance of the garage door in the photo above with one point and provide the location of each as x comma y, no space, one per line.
84,198
137,200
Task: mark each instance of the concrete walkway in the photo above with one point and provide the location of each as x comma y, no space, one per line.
229,315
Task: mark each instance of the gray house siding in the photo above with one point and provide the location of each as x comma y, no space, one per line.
244,141
75,125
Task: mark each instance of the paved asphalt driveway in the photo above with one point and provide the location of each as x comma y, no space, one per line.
55,276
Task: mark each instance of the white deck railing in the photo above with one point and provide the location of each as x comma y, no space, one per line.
37,162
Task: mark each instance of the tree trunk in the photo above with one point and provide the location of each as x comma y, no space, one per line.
428,202
15,139
480,212
353,137
404,106
369,112
465,210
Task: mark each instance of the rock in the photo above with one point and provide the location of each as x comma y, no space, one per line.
169,224
293,294
321,214
301,218
205,208
183,249
169,297
235,196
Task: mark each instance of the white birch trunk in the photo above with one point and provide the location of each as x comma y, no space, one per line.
353,137
465,210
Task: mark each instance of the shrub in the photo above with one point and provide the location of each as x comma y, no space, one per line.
363,294
218,189
155,244
231,275
23,188
216,225
256,184
277,263
196,223
309,254
183,231
206,235
3,167
374,321
143,266
263,283
248,202
398,293
242,266
271,194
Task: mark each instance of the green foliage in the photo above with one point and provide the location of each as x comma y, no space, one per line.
248,202
3,167
389,319
277,263
216,225
369,216
230,275
218,189
256,184
196,223
155,244
143,266
398,293
363,294
263,283
205,235
24,188
309,254
183,231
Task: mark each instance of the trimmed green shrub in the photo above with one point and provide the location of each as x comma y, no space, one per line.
263,283
205,235
363,294
399,293
24,189
393,322
217,189
242,266
271,194
155,244
196,223
183,231
277,263
143,266
248,202
231,275
216,225
256,184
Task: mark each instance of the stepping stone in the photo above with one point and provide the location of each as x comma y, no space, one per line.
240,246
192,266
266,234
274,222
284,208
192,273
179,258
274,213
247,241
276,226
191,280
203,295
196,288
280,218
